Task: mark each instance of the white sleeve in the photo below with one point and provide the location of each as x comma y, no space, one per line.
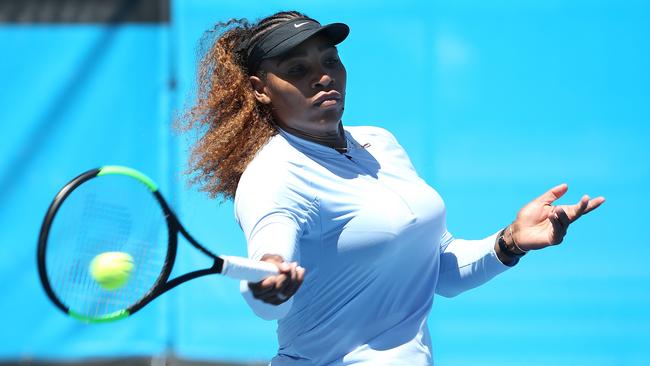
465,264
273,216
274,234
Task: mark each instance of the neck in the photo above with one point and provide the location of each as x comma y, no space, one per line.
335,140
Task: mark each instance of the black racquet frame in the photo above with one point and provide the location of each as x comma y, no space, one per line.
161,284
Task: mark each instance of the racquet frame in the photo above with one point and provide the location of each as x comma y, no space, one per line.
161,285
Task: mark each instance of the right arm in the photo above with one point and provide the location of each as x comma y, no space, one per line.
273,218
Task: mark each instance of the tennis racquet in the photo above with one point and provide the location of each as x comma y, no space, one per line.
119,209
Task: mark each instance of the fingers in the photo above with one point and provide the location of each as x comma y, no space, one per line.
578,209
297,275
278,289
562,217
269,289
560,222
594,203
553,194
584,206
558,229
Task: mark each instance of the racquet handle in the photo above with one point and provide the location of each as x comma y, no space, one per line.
247,269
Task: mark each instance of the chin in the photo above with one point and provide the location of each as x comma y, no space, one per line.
332,116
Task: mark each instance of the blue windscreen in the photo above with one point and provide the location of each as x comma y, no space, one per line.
495,102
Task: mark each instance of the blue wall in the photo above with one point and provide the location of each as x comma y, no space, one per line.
495,101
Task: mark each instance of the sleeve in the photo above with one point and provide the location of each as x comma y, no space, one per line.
465,264
273,214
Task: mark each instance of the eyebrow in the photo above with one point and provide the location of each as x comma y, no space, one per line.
293,54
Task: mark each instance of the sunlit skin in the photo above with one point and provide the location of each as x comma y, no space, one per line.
292,84
539,224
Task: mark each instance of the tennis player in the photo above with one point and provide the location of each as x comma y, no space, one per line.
360,239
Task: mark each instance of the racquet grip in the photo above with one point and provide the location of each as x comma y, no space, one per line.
247,269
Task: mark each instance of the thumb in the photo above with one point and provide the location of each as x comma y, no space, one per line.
284,267
273,258
553,194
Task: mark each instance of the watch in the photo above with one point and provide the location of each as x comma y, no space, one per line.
501,241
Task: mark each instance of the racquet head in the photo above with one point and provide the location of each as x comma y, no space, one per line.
111,209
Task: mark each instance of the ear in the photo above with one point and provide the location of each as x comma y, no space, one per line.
259,88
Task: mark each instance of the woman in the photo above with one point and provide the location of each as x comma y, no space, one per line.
345,203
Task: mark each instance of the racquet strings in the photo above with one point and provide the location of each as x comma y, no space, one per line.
111,213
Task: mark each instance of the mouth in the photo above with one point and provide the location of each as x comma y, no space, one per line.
328,99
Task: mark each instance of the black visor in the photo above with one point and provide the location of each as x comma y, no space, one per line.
287,36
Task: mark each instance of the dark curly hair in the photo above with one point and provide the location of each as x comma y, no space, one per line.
231,124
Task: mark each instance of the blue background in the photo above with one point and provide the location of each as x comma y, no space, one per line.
495,101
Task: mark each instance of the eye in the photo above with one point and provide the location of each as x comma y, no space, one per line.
332,61
296,69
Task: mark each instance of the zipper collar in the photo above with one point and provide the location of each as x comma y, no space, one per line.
310,147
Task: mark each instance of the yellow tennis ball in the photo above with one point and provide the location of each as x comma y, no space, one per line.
111,270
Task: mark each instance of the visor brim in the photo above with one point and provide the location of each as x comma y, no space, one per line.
335,33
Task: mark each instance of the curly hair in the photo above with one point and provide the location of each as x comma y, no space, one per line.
232,125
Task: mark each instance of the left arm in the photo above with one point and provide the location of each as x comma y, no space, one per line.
465,264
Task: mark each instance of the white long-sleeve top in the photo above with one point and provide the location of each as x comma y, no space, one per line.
372,237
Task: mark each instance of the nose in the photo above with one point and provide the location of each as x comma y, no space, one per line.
323,80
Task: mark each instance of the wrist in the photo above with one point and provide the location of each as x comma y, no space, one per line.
505,248
510,241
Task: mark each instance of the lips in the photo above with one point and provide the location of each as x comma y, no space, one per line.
331,95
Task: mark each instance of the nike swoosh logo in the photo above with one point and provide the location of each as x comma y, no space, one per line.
300,24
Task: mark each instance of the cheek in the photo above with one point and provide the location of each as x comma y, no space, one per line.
341,77
288,94
287,101
288,98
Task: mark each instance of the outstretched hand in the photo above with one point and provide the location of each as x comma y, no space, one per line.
540,224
